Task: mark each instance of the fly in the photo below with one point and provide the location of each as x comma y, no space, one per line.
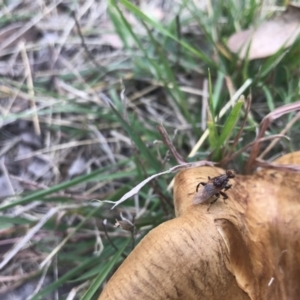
213,187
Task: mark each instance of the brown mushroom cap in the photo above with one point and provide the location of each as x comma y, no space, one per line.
246,248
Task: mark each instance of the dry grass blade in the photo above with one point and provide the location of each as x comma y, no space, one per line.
264,139
6,175
267,120
280,167
29,25
9,255
177,168
277,113
64,241
40,283
284,131
30,86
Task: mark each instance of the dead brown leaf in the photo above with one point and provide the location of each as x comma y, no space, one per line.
268,37
246,248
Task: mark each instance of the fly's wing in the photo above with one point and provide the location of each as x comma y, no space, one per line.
205,193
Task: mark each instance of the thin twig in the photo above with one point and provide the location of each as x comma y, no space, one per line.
133,232
168,143
33,184
110,241
89,54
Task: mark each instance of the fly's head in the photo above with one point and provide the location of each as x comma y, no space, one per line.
230,173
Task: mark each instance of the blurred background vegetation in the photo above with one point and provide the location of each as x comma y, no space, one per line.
83,87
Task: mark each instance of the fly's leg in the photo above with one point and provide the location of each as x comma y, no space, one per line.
227,187
197,187
224,195
203,183
217,197
212,202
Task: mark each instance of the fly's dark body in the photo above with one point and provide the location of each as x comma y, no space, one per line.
213,187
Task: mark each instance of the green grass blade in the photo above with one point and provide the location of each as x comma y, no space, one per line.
271,63
76,229
210,97
160,68
269,97
168,72
228,127
118,25
39,195
102,276
213,133
138,141
164,31
218,90
213,136
152,63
